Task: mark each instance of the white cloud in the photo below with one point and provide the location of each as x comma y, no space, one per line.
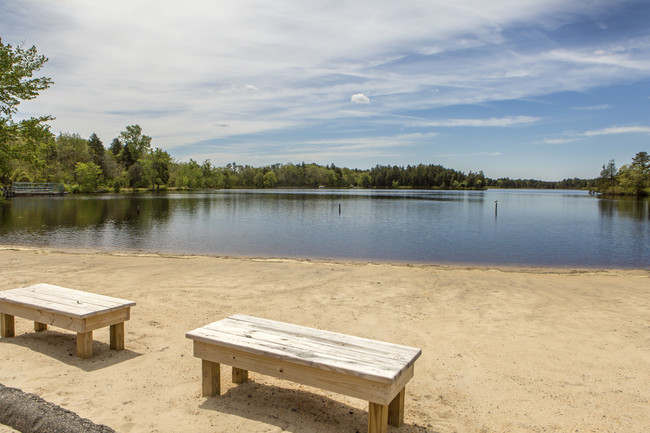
593,107
491,122
360,98
560,140
618,130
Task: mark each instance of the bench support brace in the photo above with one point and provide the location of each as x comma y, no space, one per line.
117,336
239,375
211,378
7,325
85,344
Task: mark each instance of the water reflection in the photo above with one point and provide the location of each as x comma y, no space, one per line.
637,209
534,227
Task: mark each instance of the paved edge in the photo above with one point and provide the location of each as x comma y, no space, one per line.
29,413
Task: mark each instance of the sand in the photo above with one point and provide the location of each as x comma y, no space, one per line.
504,349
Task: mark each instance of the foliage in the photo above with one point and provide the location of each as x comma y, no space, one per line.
87,176
20,140
630,179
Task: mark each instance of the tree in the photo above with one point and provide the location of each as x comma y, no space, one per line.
635,177
135,145
156,166
270,180
20,140
71,149
87,176
96,148
642,161
608,176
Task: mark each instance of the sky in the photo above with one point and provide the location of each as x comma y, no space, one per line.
543,89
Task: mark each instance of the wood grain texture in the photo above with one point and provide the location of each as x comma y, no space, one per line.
377,418
85,344
239,375
396,409
356,356
210,378
7,324
116,334
60,300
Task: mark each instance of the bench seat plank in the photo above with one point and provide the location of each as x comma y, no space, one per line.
391,353
299,351
356,356
60,300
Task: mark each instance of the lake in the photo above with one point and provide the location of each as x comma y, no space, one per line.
494,227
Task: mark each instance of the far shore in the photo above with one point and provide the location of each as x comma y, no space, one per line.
505,348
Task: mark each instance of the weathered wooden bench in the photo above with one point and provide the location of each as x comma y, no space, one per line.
74,310
367,369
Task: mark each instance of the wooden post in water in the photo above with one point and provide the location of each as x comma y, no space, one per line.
339,208
496,205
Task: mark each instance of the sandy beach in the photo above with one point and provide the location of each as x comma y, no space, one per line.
504,349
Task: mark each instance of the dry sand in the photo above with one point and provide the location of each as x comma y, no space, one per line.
504,349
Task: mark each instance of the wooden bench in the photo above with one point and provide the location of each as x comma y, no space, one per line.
367,369
75,310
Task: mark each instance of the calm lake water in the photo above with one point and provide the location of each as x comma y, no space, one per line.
538,228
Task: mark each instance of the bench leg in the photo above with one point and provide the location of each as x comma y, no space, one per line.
85,344
40,327
211,378
396,409
117,336
7,325
377,418
239,375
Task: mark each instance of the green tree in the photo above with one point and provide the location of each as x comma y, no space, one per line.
156,166
96,149
635,178
134,145
71,149
136,175
270,180
608,176
364,180
87,176
20,140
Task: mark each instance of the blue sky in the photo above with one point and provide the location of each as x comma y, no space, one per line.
544,89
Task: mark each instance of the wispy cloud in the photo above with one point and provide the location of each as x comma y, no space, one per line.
491,122
593,107
470,154
560,140
618,130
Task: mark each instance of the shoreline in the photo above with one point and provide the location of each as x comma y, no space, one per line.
503,349
340,261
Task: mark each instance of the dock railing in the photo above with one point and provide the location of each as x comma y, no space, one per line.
32,188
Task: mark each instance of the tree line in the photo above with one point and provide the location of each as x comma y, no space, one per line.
130,161
86,165
630,179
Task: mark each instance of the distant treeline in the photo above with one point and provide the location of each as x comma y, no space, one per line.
574,183
85,165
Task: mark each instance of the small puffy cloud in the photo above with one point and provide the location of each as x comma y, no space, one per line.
360,98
